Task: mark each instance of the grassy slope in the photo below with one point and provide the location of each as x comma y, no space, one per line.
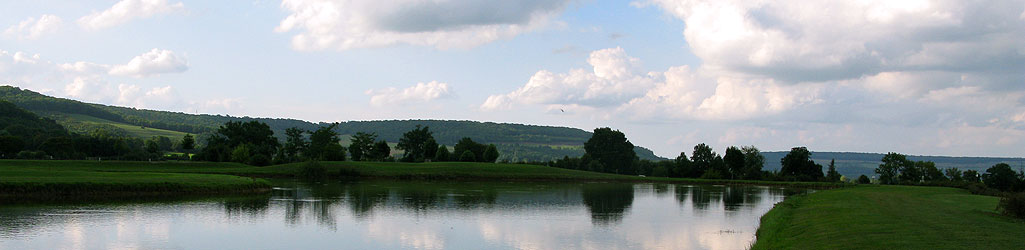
889,217
133,130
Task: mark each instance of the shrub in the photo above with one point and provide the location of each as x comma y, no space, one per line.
1013,204
467,156
32,155
259,160
864,180
312,170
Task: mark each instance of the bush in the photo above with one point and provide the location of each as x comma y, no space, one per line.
312,170
864,180
467,156
259,160
1013,204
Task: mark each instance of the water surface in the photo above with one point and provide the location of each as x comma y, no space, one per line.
410,215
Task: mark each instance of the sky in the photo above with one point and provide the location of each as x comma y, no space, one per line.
915,77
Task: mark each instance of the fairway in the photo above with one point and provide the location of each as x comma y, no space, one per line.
889,217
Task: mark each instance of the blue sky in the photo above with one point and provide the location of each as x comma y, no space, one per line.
917,77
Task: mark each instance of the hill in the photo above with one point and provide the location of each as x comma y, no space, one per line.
856,164
515,141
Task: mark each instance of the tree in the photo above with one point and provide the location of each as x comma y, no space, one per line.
10,146
490,154
432,149
381,151
682,167
413,143
188,143
797,164
295,143
361,145
1000,177
863,180
832,175
257,137
442,154
970,176
333,152
320,141
163,143
241,153
467,156
892,163
753,163
701,159
152,147
467,144
734,159
954,174
911,171
611,149
931,173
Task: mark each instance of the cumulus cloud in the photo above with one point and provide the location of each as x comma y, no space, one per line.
420,93
33,28
614,78
616,82
151,63
128,10
835,40
348,24
87,81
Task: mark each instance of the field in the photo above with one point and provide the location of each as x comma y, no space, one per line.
889,217
132,130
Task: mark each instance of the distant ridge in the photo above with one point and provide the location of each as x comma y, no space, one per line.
515,141
856,164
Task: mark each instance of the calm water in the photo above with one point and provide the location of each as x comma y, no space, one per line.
410,215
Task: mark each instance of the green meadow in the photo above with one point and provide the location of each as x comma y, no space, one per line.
889,217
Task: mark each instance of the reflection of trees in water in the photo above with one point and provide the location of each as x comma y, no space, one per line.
363,199
733,198
253,206
317,197
661,189
479,199
607,203
417,199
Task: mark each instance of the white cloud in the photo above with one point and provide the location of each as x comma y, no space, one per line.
420,93
833,40
33,28
127,10
151,63
86,81
614,78
616,83
349,24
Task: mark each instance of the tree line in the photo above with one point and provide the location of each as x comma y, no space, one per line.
253,143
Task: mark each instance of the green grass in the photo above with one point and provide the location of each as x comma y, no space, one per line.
133,130
382,170
73,178
889,217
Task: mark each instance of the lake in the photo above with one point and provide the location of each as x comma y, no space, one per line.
409,215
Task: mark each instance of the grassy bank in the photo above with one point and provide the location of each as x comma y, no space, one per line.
55,179
104,177
889,217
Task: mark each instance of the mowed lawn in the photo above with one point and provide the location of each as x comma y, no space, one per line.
890,217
